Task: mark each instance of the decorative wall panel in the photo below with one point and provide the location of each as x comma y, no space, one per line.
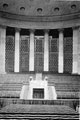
10,44
39,54
68,54
53,54
24,54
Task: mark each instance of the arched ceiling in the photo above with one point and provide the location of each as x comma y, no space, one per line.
43,10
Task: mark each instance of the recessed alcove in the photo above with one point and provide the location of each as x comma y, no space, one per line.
39,32
5,5
54,33
53,50
68,32
39,10
38,93
24,32
68,50
10,31
73,6
56,9
22,8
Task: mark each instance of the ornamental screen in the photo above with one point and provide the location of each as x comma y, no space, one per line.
68,43
24,54
39,53
53,55
10,46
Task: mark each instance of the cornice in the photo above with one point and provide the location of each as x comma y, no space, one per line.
54,18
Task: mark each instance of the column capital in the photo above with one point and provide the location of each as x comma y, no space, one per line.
75,27
61,29
17,29
32,30
3,26
46,30
79,28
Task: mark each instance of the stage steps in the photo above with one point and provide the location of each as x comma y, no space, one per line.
25,116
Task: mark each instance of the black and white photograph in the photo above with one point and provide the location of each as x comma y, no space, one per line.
40,59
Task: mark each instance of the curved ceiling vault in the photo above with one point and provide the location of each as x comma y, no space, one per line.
39,10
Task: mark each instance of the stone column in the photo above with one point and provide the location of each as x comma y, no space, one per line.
60,57
2,48
75,51
46,50
17,50
31,53
79,50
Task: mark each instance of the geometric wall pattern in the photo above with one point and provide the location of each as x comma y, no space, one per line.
68,50
53,55
24,54
9,61
39,54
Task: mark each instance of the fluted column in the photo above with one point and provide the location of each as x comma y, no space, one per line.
75,50
60,57
17,50
46,50
2,48
31,53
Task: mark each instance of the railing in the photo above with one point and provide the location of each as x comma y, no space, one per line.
70,103
43,102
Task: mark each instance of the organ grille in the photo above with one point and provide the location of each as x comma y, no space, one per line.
24,54
9,65
39,54
68,54
53,55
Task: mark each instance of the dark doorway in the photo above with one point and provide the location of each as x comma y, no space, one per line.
38,93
